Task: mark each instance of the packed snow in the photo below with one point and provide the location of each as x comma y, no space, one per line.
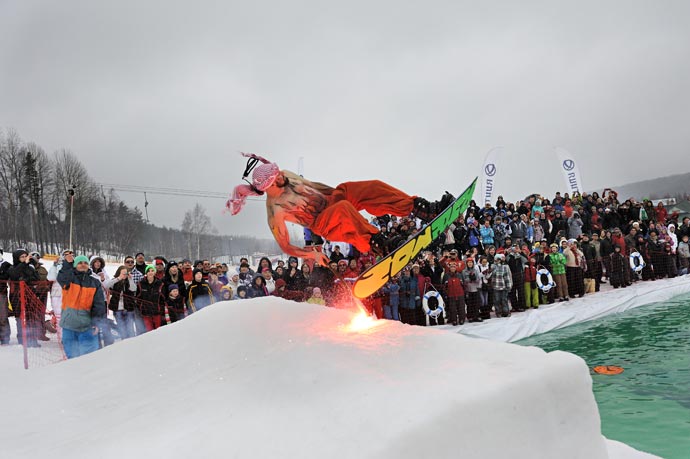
272,378
558,315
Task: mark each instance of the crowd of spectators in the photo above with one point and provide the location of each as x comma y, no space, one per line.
486,265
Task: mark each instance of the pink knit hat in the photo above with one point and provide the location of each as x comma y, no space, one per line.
262,178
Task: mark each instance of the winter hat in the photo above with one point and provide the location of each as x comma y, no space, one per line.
262,178
148,268
80,259
415,265
172,287
291,259
316,290
280,283
226,288
342,262
196,270
139,253
171,264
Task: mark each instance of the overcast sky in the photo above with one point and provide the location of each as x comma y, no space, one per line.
413,93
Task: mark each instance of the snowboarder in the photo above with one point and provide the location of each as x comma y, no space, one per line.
330,212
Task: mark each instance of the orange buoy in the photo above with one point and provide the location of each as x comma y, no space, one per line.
608,370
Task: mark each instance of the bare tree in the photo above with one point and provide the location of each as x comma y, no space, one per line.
11,162
196,225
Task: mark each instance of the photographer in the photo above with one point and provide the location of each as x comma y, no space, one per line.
122,301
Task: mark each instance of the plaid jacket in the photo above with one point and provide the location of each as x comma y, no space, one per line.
501,278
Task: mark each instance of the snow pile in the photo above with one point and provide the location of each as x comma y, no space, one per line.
558,315
270,378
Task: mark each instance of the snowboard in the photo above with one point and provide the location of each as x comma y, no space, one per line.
376,277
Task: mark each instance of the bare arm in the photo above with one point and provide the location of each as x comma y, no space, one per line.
276,221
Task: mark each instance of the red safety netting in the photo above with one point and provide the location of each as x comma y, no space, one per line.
36,328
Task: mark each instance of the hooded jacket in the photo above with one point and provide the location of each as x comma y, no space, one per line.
20,272
150,297
200,294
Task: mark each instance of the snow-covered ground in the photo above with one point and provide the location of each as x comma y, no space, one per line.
271,378
558,315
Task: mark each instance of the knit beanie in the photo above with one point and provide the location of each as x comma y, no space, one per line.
172,287
80,259
149,268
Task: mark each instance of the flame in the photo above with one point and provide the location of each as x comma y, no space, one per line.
362,321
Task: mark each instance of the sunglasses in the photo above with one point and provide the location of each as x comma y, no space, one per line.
129,262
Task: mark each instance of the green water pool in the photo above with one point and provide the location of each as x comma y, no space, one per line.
648,405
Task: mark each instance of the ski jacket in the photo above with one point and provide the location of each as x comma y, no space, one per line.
199,295
453,286
575,226
530,274
150,297
620,241
124,290
83,302
605,247
501,278
518,229
175,305
487,235
557,261
393,291
472,279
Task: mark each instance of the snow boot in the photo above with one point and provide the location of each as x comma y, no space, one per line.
426,211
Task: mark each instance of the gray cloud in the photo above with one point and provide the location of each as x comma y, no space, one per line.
414,94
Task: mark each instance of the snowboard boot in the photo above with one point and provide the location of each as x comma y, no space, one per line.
426,211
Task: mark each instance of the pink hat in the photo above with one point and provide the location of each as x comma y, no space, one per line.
262,178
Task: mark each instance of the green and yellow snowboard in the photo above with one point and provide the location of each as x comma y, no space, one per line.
376,277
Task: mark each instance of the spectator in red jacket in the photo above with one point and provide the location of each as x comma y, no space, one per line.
455,295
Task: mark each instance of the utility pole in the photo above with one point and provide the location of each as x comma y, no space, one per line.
71,214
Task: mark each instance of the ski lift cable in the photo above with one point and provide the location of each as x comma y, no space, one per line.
170,191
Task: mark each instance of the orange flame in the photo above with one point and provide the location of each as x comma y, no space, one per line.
362,322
